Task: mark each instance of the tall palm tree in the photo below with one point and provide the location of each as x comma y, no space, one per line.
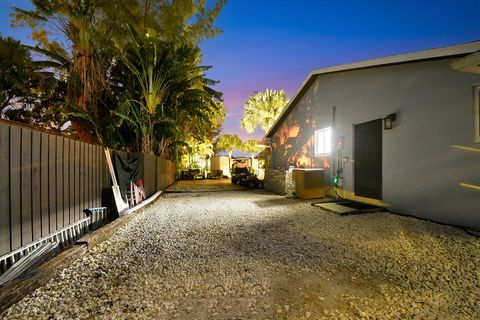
171,101
228,142
143,63
252,147
263,108
79,22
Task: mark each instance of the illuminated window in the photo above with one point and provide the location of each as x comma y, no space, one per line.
476,113
323,142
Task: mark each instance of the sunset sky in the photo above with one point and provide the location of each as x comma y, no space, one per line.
275,44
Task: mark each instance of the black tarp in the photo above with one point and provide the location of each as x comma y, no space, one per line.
126,169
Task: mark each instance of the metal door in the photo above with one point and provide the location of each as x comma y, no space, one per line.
368,159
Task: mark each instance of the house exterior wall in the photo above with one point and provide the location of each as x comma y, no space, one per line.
422,172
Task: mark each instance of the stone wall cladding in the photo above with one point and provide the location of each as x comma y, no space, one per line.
279,181
289,183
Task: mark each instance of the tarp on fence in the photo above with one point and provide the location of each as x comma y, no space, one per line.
127,168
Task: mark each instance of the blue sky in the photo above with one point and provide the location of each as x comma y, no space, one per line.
275,44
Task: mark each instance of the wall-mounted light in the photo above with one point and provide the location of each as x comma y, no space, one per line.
388,121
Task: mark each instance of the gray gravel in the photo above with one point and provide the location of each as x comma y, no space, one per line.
251,255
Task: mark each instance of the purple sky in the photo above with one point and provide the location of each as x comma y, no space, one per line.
276,43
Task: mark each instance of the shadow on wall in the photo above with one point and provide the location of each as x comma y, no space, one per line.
293,142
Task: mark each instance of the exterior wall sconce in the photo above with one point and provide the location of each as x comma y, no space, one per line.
388,121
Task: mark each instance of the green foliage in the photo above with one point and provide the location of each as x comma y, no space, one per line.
16,67
83,58
172,90
179,21
263,109
228,142
252,146
196,149
130,71
28,93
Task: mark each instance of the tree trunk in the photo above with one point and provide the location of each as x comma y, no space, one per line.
146,145
147,139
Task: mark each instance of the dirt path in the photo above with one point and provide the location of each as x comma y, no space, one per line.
251,255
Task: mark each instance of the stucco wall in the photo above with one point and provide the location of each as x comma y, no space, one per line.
421,171
219,163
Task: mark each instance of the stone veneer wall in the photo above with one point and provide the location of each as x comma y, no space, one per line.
279,181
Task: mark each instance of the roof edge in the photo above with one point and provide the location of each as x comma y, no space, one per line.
442,52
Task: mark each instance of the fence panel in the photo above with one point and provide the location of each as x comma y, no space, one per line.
46,181
44,184
25,187
149,174
15,190
35,186
76,194
60,174
4,189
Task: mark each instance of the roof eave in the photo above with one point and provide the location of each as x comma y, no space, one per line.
429,54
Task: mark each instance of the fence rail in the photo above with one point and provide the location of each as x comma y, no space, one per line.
46,181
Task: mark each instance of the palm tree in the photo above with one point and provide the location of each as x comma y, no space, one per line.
263,108
252,146
29,91
85,74
186,107
228,142
143,63
146,91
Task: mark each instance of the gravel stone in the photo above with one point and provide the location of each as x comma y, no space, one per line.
253,255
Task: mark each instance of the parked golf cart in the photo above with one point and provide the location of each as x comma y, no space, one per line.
240,170
253,181
243,175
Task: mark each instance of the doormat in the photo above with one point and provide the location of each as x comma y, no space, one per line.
347,207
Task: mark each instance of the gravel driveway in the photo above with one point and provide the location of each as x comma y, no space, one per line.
252,255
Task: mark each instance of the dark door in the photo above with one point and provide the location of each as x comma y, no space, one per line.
368,159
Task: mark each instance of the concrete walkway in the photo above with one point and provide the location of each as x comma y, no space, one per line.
253,255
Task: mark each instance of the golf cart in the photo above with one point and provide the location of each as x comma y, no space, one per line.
243,175
239,170
253,181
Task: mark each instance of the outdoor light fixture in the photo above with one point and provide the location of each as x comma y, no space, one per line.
388,121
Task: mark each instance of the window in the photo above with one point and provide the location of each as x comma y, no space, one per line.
323,142
476,113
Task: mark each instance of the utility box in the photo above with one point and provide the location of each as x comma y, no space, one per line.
309,183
